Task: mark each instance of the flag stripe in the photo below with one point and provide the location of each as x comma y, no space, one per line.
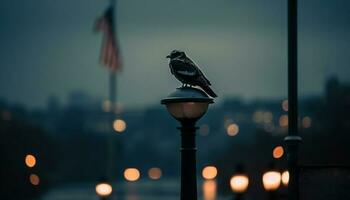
110,54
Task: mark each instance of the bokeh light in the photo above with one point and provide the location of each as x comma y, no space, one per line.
155,173
132,174
209,190
278,152
119,125
271,180
285,105
34,179
30,160
306,122
283,121
103,189
285,178
232,129
239,183
209,172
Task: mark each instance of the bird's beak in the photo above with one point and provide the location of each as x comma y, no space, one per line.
168,56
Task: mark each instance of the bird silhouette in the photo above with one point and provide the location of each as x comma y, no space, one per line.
187,72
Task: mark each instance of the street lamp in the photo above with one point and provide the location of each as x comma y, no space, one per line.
103,190
239,183
271,182
187,105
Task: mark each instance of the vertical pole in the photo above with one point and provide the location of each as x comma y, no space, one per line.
293,140
188,161
113,89
111,143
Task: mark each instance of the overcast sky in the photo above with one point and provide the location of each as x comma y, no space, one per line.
48,47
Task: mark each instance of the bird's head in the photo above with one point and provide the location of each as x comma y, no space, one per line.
176,53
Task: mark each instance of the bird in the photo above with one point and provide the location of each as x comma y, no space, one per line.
187,72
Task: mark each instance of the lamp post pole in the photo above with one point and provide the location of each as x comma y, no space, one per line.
293,140
188,160
187,105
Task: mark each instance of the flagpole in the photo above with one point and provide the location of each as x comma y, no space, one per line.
113,115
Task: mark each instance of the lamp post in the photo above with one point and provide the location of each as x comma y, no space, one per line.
187,105
293,139
239,183
271,182
103,190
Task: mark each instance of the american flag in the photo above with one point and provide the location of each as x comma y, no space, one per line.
110,54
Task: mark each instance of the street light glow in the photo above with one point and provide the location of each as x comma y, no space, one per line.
103,189
278,152
232,129
271,180
34,179
189,110
285,105
119,125
283,121
209,189
306,122
132,174
209,172
239,183
30,160
285,178
155,173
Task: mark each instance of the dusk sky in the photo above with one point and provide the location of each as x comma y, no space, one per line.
49,48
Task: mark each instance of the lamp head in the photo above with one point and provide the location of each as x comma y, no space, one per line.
186,104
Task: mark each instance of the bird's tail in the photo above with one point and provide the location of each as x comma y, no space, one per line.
209,91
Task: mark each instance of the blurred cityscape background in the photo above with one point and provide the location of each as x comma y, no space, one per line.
55,128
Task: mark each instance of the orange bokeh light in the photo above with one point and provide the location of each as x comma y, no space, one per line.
119,125
209,172
306,122
278,152
283,121
132,174
30,160
209,190
232,129
155,173
34,179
